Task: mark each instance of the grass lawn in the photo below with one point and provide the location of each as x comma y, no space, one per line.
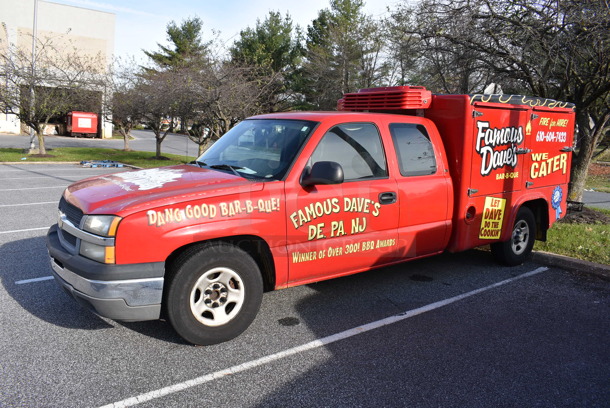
589,242
598,178
77,154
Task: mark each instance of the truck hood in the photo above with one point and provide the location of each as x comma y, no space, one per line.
129,192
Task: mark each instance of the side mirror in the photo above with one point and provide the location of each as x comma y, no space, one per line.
322,172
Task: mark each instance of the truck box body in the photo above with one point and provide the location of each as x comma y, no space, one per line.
287,199
514,149
503,150
82,123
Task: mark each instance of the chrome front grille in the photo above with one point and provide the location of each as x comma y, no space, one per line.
73,213
70,239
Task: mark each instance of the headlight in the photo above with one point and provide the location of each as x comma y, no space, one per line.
100,249
104,225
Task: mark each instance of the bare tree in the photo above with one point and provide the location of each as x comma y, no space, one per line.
57,83
557,49
124,105
159,90
186,50
226,94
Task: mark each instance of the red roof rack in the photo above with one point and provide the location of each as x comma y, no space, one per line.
386,98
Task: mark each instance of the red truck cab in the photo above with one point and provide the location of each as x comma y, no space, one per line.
292,198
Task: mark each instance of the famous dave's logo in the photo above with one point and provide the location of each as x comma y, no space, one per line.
497,146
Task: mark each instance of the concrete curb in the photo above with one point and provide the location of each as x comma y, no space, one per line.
572,264
40,162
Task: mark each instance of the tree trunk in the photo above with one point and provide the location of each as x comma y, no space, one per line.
158,147
578,177
126,136
41,148
590,138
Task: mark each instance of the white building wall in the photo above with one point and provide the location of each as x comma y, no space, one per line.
90,32
9,124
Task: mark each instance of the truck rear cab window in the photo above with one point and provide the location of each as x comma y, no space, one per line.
356,147
414,149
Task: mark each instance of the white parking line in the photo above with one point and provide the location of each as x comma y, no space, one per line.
39,177
32,188
44,278
310,346
24,230
19,205
52,172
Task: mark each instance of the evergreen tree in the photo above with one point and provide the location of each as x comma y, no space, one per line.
271,50
342,53
273,43
186,55
187,46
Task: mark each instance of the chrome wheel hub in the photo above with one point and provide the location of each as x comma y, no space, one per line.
520,238
217,296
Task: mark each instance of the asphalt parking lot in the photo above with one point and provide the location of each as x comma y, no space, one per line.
450,331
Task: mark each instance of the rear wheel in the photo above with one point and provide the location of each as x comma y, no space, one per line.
214,294
516,250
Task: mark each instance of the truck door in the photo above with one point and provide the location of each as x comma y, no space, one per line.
347,227
498,154
550,145
426,198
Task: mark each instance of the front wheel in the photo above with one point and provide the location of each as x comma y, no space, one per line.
516,250
214,294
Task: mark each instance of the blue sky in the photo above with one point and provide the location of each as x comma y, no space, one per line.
141,24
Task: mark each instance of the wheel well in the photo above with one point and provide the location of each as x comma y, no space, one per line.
540,210
255,246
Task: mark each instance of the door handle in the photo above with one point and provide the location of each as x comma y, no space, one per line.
389,197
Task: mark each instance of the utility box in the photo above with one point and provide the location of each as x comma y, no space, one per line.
82,124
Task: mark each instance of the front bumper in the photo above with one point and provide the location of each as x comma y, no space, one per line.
119,292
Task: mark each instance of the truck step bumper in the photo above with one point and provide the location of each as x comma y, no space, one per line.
130,292
129,300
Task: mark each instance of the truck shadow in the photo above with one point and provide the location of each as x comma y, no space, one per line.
362,297
380,367
27,259
383,292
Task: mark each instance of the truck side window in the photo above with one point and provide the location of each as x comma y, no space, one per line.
356,147
414,149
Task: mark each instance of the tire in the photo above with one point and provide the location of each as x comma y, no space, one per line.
516,250
214,294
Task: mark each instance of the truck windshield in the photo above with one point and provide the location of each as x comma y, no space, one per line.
258,148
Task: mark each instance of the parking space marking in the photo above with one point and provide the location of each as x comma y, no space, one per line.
41,279
32,188
39,177
311,345
24,230
19,205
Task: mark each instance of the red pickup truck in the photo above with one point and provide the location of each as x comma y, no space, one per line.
291,198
